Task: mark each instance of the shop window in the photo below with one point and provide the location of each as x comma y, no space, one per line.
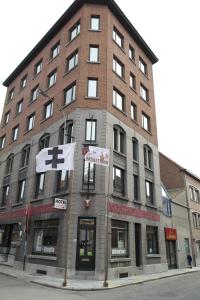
119,238
152,240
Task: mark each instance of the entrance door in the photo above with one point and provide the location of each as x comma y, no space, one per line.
171,254
138,245
85,253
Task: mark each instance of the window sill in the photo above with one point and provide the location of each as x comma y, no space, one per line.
123,112
92,98
119,153
18,204
66,73
145,101
21,169
73,40
119,46
93,62
117,259
145,75
134,121
32,101
153,256
49,87
91,191
94,30
35,256
132,61
52,59
37,199
118,196
46,119
137,202
36,75
61,194
134,90
121,78
66,105
151,206
27,131
147,131
90,143
2,207
21,89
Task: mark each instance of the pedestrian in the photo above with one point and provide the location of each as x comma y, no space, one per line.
189,258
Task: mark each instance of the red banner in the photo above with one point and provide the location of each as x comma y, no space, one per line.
170,234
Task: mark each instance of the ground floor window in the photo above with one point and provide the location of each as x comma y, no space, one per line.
119,242
45,237
152,240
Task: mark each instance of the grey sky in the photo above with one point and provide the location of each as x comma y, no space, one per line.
170,28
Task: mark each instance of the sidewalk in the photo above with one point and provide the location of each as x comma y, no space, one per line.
89,285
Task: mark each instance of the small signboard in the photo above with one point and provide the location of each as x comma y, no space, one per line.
60,203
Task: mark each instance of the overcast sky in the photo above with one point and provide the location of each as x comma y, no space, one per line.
171,29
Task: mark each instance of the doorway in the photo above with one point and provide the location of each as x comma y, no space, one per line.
171,254
85,253
138,245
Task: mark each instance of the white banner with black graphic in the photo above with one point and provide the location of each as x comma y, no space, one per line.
56,158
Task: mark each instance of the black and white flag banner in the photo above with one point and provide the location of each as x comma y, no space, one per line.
56,158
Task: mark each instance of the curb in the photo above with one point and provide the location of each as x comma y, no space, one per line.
8,275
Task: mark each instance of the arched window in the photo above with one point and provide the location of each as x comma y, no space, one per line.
148,157
44,141
119,139
66,135
9,164
135,149
25,156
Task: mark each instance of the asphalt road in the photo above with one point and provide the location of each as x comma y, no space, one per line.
184,287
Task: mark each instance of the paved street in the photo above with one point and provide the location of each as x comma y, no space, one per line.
182,287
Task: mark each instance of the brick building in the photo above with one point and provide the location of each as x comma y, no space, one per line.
95,65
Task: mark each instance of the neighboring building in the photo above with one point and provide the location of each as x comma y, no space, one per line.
95,65
183,187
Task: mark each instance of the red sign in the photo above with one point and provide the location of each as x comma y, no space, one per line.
170,234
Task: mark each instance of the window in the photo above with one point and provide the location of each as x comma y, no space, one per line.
10,95
119,139
74,31
88,173
119,238
2,142
19,107
132,81
118,180
21,190
6,117
135,187
152,240
90,132
34,93
30,122
95,23
148,157
25,156
133,111
70,94
142,66
118,100
9,164
131,53
149,191
92,87
72,61
94,54
23,82
55,50
5,194
48,109
69,133
39,184
52,78
38,67
144,93
167,203
15,133
44,141
62,180
195,220
194,194
146,122
118,67
118,38
135,149
45,237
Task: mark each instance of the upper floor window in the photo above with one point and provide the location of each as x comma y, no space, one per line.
19,107
21,190
2,141
88,173
132,81
34,93
5,194
70,94
25,156
94,54
55,50
118,38
133,111
23,82
66,133
167,203
9,164
52,78
152,240
118,100
95,23
118,67
146,122
119,139
135,149
92,87
72,61
30,122
44,141
74,31
15,133
118,180
6,117
195,220
90,130
48,109
62,180
131,53
135,187
142,66
10,95
148,157
144,93
149,191
194,194
40,177
38,67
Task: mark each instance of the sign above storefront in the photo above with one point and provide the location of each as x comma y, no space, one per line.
60,203
170,234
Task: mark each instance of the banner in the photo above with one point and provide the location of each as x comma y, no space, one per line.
98,156
56,158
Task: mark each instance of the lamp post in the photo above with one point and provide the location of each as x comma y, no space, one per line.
67,212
